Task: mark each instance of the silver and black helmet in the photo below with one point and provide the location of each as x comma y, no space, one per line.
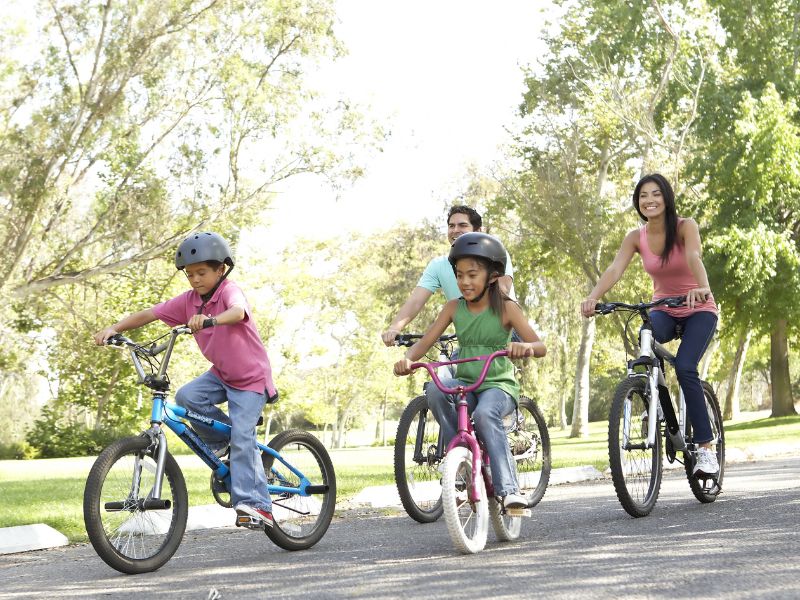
201,247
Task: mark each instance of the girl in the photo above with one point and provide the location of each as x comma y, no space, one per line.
483,318
670,249
216,311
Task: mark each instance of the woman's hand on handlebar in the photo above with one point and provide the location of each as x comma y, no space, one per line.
402,367
388,336
587,307
697,296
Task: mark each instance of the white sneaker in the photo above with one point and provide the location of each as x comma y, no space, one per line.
706,463
514,500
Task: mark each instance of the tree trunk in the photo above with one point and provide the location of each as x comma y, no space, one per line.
731,410
580,411
705,363
782,402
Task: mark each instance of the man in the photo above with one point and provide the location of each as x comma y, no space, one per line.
439,274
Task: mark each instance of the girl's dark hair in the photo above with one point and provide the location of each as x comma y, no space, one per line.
670,214
214,264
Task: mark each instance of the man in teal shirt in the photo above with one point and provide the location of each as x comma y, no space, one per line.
439,274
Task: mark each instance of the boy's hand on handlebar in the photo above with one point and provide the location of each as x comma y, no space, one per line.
587,307
402,367
388,336
519,350
198,322
101,336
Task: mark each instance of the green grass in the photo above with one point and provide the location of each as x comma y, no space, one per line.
51,490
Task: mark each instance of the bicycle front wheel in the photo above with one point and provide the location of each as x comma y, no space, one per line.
300,521
707,491
416,462
467,521
635,468
530,446
128,529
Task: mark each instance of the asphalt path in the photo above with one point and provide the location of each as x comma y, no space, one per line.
578,543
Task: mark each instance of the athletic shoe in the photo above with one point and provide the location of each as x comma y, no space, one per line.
258,514
515,500
706,463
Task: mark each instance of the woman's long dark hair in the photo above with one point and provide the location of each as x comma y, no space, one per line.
670,214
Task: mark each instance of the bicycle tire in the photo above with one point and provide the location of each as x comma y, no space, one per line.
467,522
506,528
715,416
129,538
636,473
300,521
417,478
530,447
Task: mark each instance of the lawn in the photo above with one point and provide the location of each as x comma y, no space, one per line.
51,490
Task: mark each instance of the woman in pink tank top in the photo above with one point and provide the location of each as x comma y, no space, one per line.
671,254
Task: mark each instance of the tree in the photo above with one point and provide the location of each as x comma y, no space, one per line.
758,174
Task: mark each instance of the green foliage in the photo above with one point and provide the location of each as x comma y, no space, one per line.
53,436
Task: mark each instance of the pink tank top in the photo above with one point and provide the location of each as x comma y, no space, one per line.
674,278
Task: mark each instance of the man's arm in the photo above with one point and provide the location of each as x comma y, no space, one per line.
416,300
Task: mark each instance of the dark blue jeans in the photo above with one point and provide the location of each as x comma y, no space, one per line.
698,329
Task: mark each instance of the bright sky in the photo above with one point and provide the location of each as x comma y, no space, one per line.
445,78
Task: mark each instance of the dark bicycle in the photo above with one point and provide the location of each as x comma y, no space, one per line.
419,448
642,414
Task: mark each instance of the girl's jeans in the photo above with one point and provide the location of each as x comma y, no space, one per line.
202,395
487,409
698,329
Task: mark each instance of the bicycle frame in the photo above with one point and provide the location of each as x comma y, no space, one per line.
465,433
172,415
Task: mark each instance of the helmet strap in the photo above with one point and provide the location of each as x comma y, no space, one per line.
206,297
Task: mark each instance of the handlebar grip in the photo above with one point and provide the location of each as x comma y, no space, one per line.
210,322
603,308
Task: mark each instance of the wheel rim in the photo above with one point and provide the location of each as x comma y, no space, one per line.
525,441
297,516
637,464
135,533
422,472
467,521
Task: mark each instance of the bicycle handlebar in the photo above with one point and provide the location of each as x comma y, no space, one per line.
152,380
432,366
408,339
605,308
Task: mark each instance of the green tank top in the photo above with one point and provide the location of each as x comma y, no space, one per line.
480,335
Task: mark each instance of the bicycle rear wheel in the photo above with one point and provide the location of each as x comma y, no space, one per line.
530,446
416,463
126,534
707,491
635,469
300,521
467,522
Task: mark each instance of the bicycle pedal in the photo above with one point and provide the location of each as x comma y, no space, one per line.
249,522
518,512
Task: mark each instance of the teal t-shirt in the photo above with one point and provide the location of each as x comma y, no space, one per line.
439,275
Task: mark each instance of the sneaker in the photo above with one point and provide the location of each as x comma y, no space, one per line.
515,500
259,515
706,463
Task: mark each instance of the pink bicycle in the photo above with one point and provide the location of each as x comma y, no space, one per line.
468,500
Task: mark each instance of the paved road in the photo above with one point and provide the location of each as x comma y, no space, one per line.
579,542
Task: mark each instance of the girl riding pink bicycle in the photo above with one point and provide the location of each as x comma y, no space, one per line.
483,319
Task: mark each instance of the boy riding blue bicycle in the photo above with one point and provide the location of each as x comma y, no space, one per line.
217,312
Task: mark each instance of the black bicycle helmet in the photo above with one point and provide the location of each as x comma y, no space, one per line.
481,245
201,247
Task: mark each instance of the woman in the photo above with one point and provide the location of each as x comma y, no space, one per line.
670,249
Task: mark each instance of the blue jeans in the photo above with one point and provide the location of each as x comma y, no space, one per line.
202,395
698,329
487,409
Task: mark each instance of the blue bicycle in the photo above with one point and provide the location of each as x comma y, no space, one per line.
135,504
